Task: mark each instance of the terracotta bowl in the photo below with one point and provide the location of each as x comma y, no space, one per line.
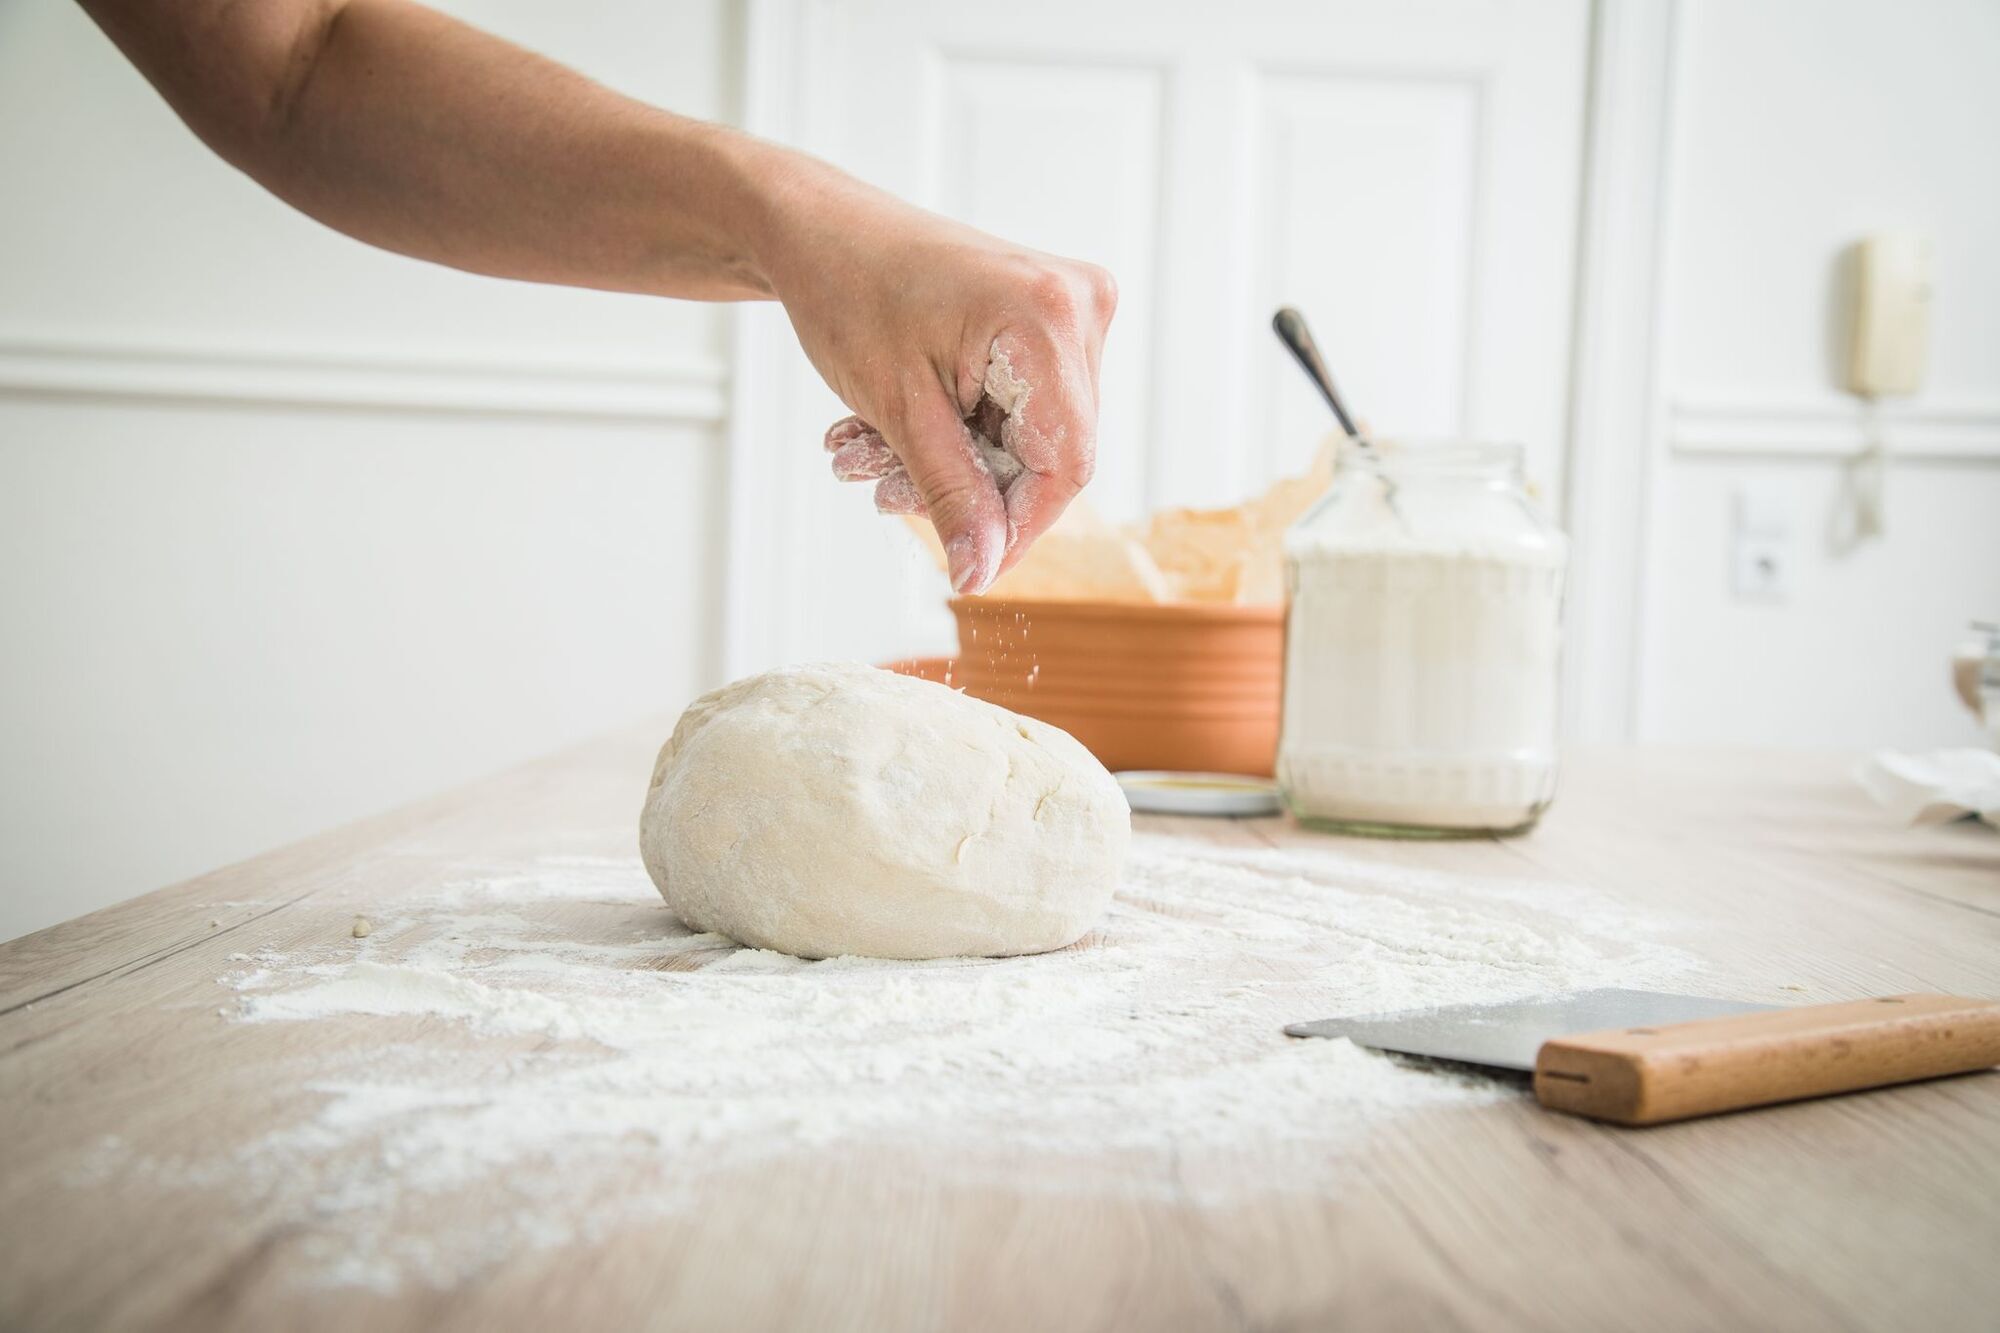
938,669
1174,687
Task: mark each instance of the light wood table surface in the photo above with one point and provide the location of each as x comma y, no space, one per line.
1875,1211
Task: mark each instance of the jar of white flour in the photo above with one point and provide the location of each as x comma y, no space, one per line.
1422,633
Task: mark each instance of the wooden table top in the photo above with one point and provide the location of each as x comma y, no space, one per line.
123,1068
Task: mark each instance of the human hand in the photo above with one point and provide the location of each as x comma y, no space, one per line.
971,365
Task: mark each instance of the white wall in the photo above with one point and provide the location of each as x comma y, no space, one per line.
292,530
1799,126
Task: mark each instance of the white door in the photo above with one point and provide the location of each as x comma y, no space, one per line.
1406,173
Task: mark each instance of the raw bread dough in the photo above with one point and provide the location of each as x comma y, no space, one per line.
843,809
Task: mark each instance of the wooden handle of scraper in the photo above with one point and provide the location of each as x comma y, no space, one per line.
1647,1076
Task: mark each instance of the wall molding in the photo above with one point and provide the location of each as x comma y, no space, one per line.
1776,427
371,379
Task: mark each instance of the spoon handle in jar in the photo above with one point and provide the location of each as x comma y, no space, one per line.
1291,329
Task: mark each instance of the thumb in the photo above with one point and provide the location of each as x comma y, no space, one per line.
959,493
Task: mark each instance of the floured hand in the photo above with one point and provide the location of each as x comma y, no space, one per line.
861,454
971,366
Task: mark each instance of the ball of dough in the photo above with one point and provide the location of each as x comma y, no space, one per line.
843,809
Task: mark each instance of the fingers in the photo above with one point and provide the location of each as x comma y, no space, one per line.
859,451
1041,498
865,459
1049,392
897,494
845,431
993,481
957,490
861,454
1030,501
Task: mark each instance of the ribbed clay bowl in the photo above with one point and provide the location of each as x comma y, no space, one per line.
1175,687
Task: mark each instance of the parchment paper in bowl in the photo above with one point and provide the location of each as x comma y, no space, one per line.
1228,556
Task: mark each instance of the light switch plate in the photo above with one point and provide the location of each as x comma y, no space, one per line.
1761,547
1761,570
1891,318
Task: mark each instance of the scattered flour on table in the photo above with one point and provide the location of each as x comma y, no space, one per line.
596,1056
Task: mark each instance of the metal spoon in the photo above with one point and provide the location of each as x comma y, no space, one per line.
1290,326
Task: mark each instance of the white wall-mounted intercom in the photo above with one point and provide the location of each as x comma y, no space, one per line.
1891,315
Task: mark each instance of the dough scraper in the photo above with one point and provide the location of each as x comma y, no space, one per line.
1644,1057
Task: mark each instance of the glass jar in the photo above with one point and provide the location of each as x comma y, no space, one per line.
1422,632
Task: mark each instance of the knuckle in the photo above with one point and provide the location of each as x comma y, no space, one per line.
1052,294
1084,468
1103,289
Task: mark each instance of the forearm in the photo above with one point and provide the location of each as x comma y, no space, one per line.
409,130
406,129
